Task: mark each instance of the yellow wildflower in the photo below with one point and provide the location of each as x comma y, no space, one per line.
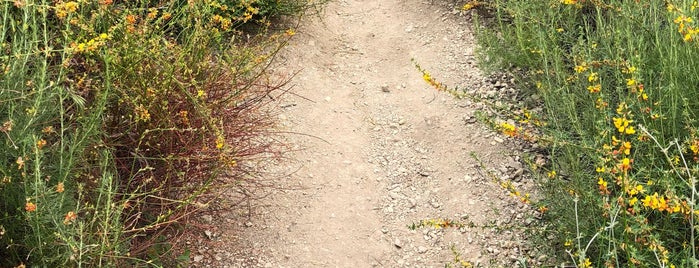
623,125
20,162
593,77
633,201
602,185
40,143
30,207
625,148
70,217
625,164
595,88
508,129
64,9
220,141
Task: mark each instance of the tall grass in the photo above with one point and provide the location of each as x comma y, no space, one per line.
117,116
618,81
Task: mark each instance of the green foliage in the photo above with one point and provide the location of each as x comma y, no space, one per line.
618,81
116,115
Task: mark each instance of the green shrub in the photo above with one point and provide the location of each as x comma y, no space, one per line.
116,116
618,81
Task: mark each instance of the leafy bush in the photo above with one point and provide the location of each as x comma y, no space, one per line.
618,83
116,116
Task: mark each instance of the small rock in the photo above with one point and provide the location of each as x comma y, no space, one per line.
421,249
397,243
207,218
209,234
518,174
198,258
248,224
413,202
385,88
498,140
528,221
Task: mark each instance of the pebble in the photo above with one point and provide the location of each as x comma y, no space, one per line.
394,195
421,249
397,243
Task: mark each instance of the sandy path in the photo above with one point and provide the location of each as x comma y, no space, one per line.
386,150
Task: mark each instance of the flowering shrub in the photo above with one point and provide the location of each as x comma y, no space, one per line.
618,85
117,115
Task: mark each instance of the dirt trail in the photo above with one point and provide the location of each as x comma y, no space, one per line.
379,149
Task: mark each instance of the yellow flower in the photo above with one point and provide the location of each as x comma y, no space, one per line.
551,174
625,147
508,129
615,141
621,108
625,164
569,2
142,113
630,82
594,89
586,263
30,207
469,6
633,201
220,141
64,9
70,217
623,125
581,68
593,77
40,143
20,162
602,186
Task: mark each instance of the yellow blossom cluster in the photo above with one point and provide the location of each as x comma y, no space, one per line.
63,9
91,45
524,198
470,5
685,24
